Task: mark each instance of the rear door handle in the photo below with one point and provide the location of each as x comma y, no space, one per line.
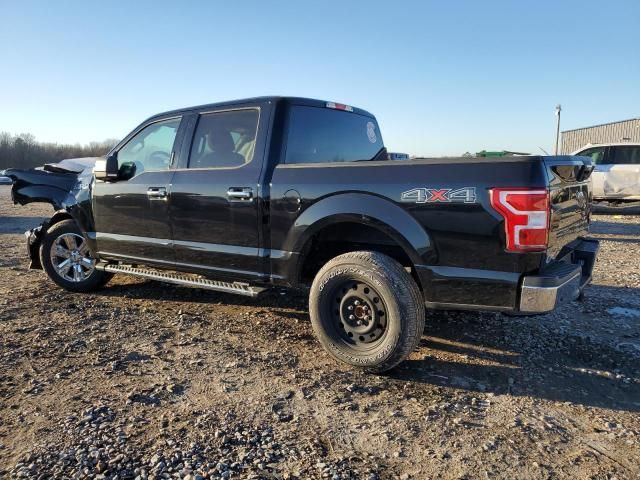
157,193
240,193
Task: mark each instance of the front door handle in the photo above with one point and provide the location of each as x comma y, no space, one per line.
157,193
240,193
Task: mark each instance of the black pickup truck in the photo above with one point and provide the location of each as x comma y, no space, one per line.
279,191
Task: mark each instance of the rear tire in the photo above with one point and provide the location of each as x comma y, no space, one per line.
366,310
65,257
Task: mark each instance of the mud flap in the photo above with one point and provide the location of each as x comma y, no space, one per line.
34,239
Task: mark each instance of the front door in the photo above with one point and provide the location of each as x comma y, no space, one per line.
132,213
215,195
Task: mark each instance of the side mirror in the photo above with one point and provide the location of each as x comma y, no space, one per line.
106,169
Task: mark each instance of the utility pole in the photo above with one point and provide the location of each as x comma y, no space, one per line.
558,110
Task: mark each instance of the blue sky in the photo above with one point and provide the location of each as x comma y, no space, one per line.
442,77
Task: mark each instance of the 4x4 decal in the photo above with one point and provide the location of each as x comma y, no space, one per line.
434,195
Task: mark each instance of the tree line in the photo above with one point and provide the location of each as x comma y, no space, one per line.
23,151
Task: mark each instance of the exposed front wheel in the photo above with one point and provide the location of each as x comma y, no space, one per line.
66,258
366,310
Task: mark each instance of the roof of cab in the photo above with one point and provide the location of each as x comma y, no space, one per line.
253,101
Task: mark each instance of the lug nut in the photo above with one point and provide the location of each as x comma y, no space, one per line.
367,318
358,323
351,317
357,302
350,307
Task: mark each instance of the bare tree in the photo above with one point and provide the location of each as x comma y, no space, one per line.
23,151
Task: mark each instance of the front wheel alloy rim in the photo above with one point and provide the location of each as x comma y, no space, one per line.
359,314
71,259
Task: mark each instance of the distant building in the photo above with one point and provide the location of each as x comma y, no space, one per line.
614,132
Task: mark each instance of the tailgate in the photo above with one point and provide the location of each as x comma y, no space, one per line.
570,196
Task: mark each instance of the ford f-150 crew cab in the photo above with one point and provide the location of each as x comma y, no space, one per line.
291,192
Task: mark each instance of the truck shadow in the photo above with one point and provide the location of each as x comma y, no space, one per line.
13,225
482,352
626,209
474,353
600,227
158,291
616,239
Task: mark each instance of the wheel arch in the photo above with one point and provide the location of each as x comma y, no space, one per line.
34,237
59,216
368,211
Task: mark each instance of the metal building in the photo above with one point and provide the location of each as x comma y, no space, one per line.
614,132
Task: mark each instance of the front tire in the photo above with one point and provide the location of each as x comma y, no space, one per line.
65,256
366,310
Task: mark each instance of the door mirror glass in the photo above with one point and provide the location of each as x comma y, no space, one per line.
106,169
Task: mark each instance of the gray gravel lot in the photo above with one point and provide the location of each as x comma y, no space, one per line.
148,380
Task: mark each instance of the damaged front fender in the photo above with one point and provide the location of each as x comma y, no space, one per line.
68,191
34,237
41,186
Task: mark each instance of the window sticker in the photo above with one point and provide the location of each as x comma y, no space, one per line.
371,132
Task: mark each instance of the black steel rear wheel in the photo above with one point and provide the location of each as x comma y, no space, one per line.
366,310
360,315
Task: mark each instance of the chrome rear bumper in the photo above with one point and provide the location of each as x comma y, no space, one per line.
560,282
541,297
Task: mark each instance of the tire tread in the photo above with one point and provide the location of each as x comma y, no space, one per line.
409,299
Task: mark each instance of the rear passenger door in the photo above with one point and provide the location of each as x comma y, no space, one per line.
215,204
622,174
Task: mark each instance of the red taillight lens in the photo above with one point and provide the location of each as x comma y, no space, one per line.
526,217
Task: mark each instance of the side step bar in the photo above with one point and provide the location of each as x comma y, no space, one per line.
185,279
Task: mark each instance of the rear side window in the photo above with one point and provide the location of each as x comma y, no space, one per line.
224,139
596,154
625,155
319,135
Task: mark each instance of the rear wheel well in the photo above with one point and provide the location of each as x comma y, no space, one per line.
344,237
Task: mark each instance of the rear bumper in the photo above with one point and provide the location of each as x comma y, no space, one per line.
561,281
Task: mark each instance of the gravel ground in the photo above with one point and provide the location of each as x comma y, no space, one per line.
148,380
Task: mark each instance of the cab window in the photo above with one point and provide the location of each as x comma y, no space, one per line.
319,135
224,139
149,149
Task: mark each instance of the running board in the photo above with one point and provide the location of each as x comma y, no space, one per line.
185,279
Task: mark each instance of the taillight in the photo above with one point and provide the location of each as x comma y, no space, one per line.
526,217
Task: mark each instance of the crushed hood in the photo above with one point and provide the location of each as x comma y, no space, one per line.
54,183
72,165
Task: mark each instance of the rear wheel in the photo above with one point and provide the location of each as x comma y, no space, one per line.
66,258
366,310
